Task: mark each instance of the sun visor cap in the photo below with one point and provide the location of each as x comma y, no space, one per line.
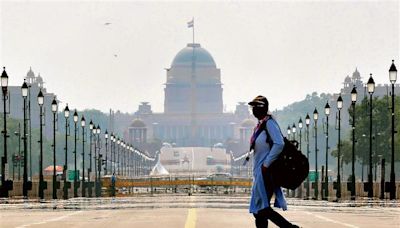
259,101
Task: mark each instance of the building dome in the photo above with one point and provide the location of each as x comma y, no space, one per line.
30,73
347,79
193,64
202,57
248,123
39,79
137,123
356,75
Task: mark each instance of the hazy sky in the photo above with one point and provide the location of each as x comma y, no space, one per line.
282,49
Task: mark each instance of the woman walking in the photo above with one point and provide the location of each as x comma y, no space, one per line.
266,151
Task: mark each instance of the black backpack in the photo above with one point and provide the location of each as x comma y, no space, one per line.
291,167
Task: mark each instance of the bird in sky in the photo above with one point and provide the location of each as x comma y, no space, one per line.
107,23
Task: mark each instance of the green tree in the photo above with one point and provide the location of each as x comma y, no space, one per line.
381,133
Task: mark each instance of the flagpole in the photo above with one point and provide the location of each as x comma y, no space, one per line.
193,29
193,140
193,93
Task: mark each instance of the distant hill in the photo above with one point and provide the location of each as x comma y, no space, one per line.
293,112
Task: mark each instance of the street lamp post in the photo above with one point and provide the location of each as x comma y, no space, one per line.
300,124
393,78
315,115
42,186
111,154
66,184
122,154
83,188
127,161
128,164
136,161
294,138
26,185
140,164
106,138
90,158
30,135
6,185
54,108
370,88
115,155
125,146
294,131
326,186
75,117
338,183
94,130
134,155
133,162
99,162
123,159
289,131
353,177
118,154
308,153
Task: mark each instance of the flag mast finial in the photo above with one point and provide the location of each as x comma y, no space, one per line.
191,25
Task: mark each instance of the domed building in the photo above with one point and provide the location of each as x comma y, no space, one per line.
193,64
137,132
193,104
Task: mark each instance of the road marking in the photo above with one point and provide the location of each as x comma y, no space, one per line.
191,218
331,220
50,220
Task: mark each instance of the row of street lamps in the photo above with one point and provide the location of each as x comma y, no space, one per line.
124,149
128,156
391,187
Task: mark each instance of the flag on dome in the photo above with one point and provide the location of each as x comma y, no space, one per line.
191,23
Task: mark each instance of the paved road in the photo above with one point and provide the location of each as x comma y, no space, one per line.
189,212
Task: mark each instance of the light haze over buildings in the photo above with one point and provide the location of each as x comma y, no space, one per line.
116,52
193,101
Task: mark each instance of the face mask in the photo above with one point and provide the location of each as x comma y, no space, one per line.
259,112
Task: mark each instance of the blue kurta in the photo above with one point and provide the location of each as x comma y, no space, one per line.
264,155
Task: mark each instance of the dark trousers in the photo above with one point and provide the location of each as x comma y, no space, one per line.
268,213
